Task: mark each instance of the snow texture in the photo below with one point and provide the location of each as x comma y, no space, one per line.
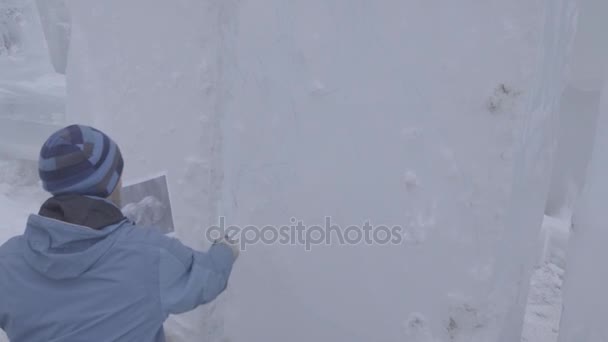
10,31
544,308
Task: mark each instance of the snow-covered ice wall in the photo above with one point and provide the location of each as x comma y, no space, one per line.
580,105
585,304
399,112
533,169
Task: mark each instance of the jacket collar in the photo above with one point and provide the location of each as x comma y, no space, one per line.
93,212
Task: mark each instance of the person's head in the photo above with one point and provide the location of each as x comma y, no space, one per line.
81,160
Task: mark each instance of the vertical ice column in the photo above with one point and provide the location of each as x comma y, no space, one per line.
151,74
580,107
585,304
578,115
533,169
585,301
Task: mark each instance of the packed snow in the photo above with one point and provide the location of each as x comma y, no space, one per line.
452,120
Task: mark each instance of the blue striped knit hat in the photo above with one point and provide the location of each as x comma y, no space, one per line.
80,160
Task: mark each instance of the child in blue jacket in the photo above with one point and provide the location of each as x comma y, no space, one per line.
83,272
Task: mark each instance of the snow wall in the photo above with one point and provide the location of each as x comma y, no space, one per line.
395,112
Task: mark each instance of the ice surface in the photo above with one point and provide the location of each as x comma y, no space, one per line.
585,302
336,106
580,106
585,281
533,167
579,111
555,235
55,19
22,139
398,112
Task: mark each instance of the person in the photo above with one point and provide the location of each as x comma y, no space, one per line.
83,272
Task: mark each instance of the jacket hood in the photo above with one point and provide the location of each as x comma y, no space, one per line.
63,250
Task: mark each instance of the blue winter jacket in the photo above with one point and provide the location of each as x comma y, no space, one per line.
89,282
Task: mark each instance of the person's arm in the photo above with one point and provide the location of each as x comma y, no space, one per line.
189,278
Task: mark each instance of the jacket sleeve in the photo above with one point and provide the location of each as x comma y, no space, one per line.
189,278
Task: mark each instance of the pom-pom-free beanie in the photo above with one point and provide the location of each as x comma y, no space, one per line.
80,160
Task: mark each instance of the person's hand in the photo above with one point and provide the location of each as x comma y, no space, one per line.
232,243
